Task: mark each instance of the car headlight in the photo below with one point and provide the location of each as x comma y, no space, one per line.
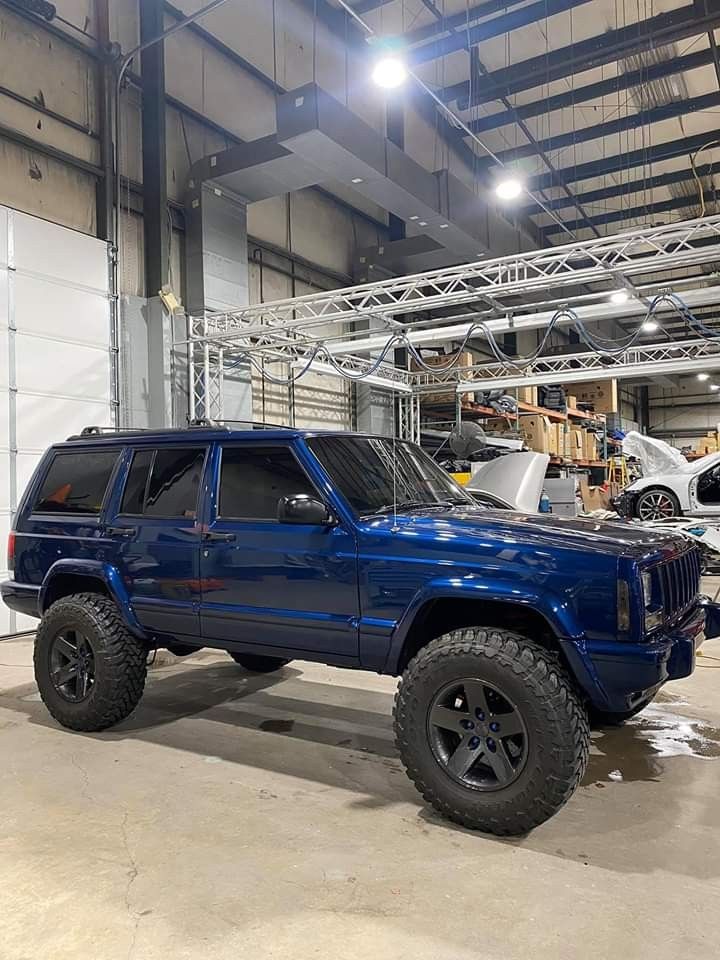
653,608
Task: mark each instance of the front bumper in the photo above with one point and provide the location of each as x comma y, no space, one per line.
623,504
617,675
20,597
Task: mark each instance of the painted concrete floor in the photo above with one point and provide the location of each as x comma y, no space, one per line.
238,816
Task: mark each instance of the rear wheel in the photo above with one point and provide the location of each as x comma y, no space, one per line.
259,664
89,668
657,504
491,730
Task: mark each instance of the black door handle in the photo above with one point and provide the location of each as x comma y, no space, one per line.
219,537
121,531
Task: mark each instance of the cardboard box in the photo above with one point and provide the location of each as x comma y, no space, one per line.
571,400
444,360
528,395
594,498
707,444
602,394
538,432
590,445
576,444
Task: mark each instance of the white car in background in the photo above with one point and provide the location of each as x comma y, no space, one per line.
690,490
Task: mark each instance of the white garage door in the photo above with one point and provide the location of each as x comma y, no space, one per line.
54,352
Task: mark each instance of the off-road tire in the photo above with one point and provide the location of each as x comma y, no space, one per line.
558,735
120,662
258,664
599,718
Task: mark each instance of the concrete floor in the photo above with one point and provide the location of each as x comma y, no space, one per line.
237,816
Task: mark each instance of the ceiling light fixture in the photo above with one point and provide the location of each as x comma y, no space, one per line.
389,72
356,180
372,380
703,376
715,386
619,296
509,189
650,326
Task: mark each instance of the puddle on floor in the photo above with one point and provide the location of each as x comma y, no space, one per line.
640,749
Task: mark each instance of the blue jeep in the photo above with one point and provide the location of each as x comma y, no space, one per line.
509,631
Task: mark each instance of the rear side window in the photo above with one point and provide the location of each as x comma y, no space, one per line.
164,483
253,479
76,482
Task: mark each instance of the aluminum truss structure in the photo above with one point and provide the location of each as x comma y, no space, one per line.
340,324
655,359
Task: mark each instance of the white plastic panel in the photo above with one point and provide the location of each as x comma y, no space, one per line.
60,309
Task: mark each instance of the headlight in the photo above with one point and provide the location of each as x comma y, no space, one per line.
653,608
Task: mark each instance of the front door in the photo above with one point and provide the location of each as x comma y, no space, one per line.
705,492
273,584
156,538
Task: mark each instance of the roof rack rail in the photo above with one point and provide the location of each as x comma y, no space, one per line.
97,431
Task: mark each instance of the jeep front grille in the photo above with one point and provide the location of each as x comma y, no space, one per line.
680,583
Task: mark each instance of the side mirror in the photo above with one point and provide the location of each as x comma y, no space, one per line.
302,508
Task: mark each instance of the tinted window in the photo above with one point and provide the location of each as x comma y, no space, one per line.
134,497
253,479
76,482
174,483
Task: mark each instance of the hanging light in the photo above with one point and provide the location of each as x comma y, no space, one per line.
650,326
703,376
509,188
619,296
715,386
390,71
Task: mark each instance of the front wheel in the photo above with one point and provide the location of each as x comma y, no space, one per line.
258,664
657,504
491,730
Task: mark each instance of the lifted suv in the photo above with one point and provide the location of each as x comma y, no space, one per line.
509,631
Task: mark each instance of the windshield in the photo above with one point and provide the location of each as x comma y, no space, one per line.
374,473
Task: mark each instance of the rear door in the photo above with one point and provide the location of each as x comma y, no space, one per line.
273,584
156,536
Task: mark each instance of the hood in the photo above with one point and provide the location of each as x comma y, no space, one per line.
516,478
460,526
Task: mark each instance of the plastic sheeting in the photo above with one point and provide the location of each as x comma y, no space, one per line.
656,456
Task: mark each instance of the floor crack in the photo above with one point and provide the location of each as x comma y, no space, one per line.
132,874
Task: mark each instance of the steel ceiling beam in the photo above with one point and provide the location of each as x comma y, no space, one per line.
463,39
626,161
669,27
593,91
666,111
631,213
626,189
457,20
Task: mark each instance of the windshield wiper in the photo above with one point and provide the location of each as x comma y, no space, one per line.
413,505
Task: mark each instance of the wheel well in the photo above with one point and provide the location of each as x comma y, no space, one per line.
448,613
65,584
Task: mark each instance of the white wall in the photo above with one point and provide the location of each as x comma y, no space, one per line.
684,410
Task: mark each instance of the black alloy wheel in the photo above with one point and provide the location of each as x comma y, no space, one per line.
477,734
72,665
